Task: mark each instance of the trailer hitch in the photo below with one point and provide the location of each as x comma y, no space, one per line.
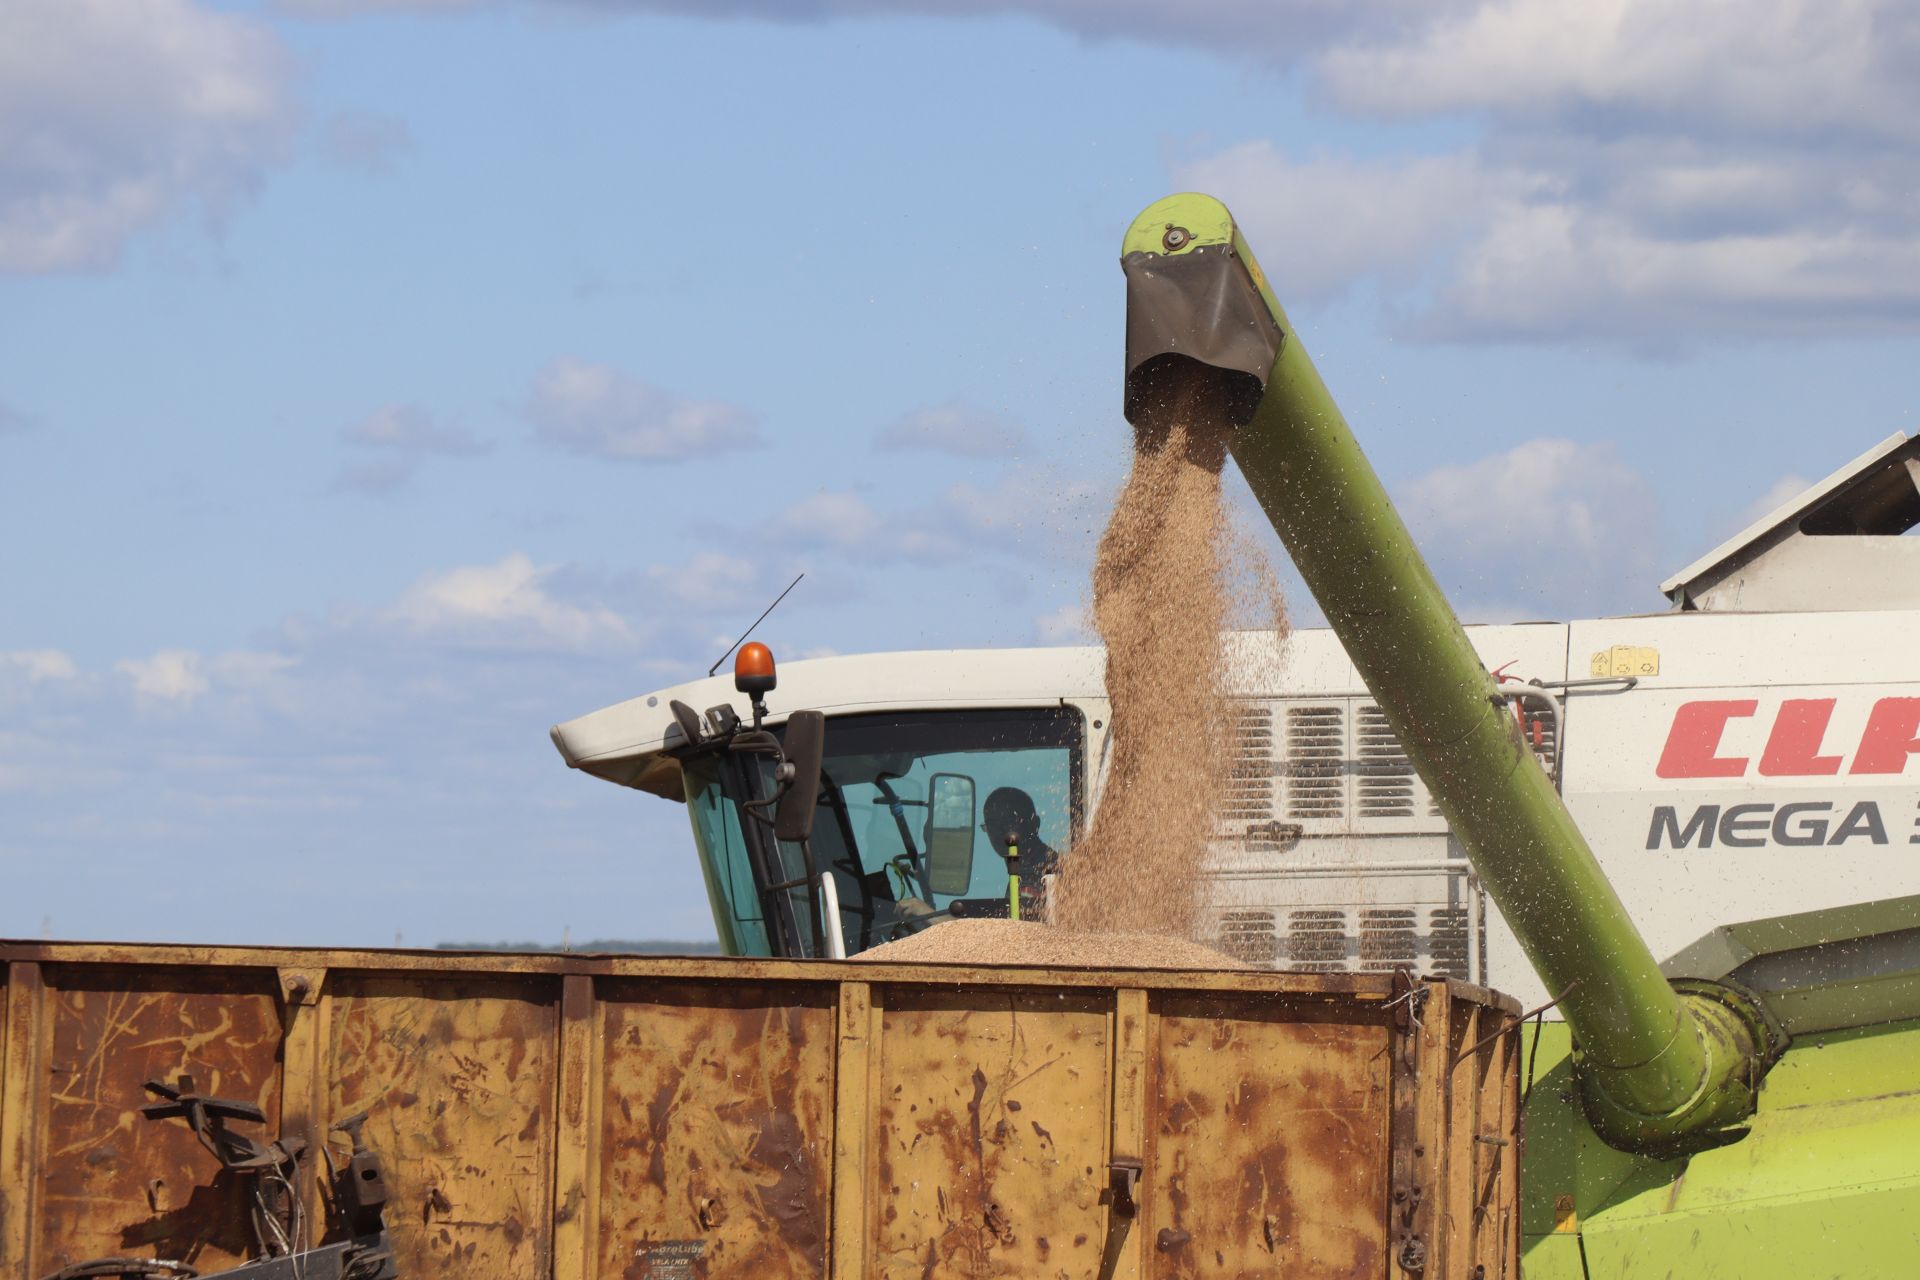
355,1243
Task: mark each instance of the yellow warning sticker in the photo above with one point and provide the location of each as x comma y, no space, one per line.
1565,1219
1625,660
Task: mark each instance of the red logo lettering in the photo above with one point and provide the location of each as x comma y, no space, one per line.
1695,738
1793,746
1892,734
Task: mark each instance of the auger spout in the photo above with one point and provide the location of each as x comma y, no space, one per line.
1661,1068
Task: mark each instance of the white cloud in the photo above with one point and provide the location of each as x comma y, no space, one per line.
40,665
1027,513
1644,172
404,435
836,519
1555,524
508,604
1245,27
844,522
115,114
407,428
346,8
171,675
1320,224
961,430
596,410
1644,241
709,578
250,669
1781,67
183,676
1033,510
1569,269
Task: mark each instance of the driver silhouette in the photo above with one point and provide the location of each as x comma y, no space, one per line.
1008,816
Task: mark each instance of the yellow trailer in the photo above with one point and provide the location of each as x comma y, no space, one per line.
566,1117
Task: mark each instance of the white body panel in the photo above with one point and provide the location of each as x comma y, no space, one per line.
1361,870
1615,745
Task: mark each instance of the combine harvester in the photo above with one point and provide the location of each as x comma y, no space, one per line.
281,1114
1751,1108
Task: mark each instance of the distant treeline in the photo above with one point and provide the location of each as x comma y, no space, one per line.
645,946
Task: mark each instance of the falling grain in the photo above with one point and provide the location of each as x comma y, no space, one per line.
1165,583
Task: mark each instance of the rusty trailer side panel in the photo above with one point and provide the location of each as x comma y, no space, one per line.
647,1118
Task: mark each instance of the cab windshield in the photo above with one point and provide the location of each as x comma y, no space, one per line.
919,813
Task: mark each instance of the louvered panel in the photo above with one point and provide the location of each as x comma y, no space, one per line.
1389,936
1250,936
1317,940
1332,938
1316,763
1248,797
1447,940
1385,784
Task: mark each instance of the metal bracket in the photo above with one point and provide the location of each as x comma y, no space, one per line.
1406,1221
1123,1180
301,986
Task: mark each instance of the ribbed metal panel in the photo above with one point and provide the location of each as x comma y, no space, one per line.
1317,940
1250,936
1385,783
1316,762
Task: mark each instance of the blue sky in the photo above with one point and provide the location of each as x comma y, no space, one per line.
381,383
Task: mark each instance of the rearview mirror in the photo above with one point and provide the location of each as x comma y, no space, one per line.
804,745
950,833
689,721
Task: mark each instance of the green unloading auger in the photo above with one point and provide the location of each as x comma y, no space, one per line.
1661,1067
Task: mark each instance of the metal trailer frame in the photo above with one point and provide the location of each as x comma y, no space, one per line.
566,1117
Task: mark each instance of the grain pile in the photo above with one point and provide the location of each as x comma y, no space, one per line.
1023,942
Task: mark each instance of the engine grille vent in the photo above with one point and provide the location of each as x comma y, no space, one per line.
1352,939
1384,777
1389,936
1249,792
1447,940
1317,940
1250,936
1316,762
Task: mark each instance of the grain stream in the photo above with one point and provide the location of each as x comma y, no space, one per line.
1171,573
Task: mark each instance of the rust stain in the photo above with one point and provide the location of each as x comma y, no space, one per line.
966,1190
973,1107
113,1182
458,1073
1269,1153
734,1084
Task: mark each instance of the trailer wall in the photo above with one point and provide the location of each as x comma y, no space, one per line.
572,1117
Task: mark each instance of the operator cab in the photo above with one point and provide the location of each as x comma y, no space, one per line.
898,836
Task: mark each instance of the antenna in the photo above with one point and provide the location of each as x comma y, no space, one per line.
756,622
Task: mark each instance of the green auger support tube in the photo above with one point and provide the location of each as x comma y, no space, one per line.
1661,1069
